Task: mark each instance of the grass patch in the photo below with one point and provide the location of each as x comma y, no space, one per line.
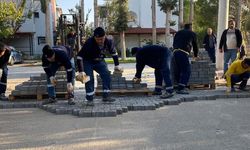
128,60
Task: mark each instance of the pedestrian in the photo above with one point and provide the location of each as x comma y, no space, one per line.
4,59
159,58
230,43
52,59
71,39
91,58
238,71
184,42
209,43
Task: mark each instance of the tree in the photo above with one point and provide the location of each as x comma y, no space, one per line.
181,6
167,6
12,16
121,23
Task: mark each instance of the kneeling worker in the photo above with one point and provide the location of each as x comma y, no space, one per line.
159,58
239,71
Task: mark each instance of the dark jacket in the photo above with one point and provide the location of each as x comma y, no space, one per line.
5,58
223,40
206,42
153,56
186,39
92,52
62,58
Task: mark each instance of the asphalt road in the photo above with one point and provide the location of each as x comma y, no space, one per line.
201,125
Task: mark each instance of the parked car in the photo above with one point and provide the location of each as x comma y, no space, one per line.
15,56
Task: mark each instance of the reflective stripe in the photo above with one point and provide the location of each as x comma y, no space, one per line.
106,91
169,88
181,84
46,67
3,83
181,51
79,57
114,54
69,70
158,86
50,85
90,93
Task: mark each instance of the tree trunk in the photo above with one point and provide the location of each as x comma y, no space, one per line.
96,23
167,29
153,22
239,14
48,24
123,46
181,5
191,15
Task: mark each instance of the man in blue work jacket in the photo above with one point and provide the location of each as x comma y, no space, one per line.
184,42
91,57
52,59
159,58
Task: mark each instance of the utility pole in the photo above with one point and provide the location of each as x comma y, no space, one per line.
96,23
222,25
153,22
48,23
239,14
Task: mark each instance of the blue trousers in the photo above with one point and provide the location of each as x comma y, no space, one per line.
240,78
229,54
101,68
54,67
163,75
211,54
3,82
182,68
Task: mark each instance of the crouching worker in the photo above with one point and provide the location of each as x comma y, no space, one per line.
91,57
239,71
159,58
4,59
52,59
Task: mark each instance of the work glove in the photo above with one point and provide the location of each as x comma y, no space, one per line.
118,69
70,87
82,77
1,73
136,80
53,80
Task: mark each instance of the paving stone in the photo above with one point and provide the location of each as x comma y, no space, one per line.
172,102
61,111
190,99
85,113
111,113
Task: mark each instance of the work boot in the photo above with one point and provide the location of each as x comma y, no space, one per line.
166,95
71,101
183,91
108,99
51,100
3,97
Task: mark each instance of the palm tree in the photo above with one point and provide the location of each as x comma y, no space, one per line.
167,6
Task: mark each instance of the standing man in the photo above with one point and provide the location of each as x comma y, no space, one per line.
4,59
52,59
238,71
209,43
159,58
184,41
230,43
91,57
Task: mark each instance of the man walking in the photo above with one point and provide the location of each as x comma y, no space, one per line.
184,41
159,58
209,43
52,59
91,57
230,43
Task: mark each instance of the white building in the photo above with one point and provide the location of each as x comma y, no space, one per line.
30,38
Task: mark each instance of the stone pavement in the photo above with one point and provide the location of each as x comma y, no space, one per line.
122,104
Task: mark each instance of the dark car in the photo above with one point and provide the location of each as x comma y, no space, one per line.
15,56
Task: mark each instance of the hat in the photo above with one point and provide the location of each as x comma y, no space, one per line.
99,32
48,51
134,50
247,61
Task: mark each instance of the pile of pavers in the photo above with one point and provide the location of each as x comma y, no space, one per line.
36,87
119,85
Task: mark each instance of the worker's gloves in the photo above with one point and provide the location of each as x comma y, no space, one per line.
118,69
1,73
82,77
136,80
70,87
53,80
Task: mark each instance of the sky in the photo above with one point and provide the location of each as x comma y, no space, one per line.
68,4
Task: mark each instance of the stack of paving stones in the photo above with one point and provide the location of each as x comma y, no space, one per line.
122,104
119,85
36,87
